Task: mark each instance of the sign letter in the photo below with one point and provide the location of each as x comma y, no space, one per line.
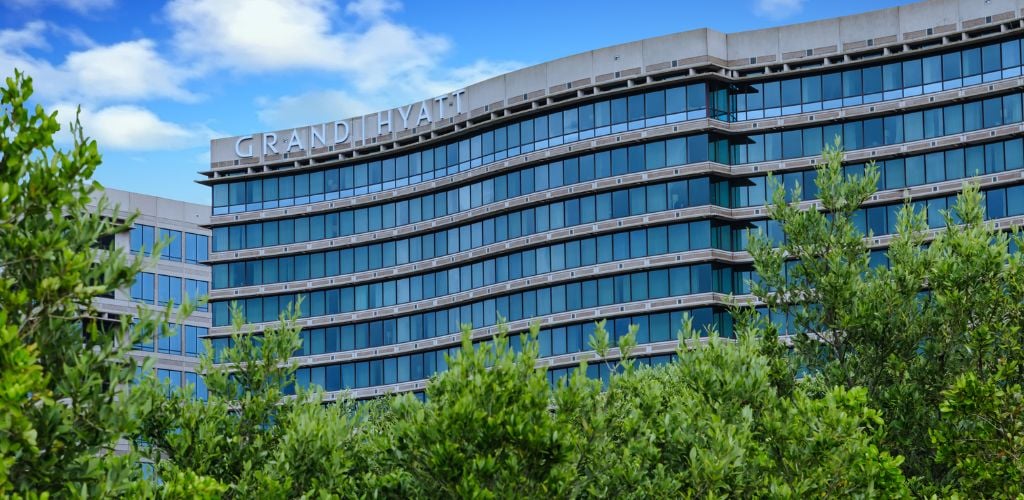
381,122
404,113
269,143
238,147
295,141
424,114
440,106
458,100
314,135
339,137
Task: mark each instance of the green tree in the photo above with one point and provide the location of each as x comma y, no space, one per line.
251,438
231,436
925,336
63,391
715,423
487,428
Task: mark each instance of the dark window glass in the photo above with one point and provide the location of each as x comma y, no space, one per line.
619,110
892,76
811,89
872,79
852,83
655,104
912,73
951,66
1011,54
931,69
832,86
791,92
990,58
971,61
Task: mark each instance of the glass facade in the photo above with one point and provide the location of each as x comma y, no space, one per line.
178,273
639,227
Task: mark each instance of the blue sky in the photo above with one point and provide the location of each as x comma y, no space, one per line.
157,80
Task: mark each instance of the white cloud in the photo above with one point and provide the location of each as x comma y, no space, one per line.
381,60
259,36
131,128
778,9
132,70
127,70
313,107
321,106
382,63
31,36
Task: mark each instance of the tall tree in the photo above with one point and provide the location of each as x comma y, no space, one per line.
64,399
925,335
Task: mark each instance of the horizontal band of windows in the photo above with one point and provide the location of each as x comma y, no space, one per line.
876,221
733,102
420,332
417,387
983,159
675,104
876,83
657,333
654,328
896,173
869,133
169,340
880,220
686,280
590,209
514,185
525,263
142,237
808,141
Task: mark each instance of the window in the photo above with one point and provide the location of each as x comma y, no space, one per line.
196,289
169,339
141,239
196,248
170,290
169,378
143,287
193,340
172,248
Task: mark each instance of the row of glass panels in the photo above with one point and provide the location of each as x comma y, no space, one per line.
807,141
728,101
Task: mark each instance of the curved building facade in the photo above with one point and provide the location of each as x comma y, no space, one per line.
619,183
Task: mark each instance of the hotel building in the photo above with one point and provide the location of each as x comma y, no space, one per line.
178,274
619,183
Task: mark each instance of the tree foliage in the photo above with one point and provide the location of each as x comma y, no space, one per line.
715,424
64,406
934,337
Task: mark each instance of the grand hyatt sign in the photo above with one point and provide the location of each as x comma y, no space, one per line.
341,132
